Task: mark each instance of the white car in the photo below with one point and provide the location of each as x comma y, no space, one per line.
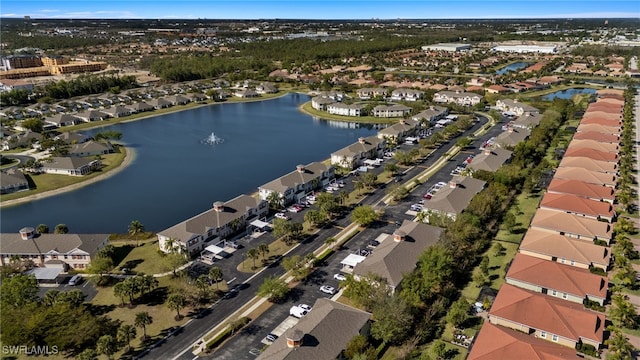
298,312
339,277
281,215
305,307
416,207
328,289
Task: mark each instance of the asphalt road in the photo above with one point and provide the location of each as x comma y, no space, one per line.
178,344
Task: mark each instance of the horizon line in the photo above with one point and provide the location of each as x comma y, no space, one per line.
324,19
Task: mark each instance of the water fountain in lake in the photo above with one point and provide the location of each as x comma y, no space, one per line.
212,139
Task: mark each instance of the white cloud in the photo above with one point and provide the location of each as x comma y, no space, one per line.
48,11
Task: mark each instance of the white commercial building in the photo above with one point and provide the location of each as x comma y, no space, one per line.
526,49
447,47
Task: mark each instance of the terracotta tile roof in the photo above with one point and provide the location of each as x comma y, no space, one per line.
600,120
609,92
556,276
592,154
589,164
606,107
602,114
572,225
581,188
591,177
495,342
555,316
597,136
564,247
600,128
592,144
577,204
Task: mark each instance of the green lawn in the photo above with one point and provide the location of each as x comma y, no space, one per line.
526,206
497,265
47,182
145,258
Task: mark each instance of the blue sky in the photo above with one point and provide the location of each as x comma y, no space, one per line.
312,9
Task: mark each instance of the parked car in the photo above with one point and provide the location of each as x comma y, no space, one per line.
416,207
282,215
340,277
328,289
365,252
298,312
75,280
427,196
271,337
374,243
294,209
305,307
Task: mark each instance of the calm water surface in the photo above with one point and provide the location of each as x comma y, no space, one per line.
567,94
175,176
512,67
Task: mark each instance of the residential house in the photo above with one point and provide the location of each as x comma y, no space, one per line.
387,111
92,115
23,139
346,110
583,189
355,154
296,185
570,225
63,120
91,148
599,210
606,115
565,250
72,251
498,89
73,138
554,279
118,111
615,130
547,318
592,154
512,137
588,176
12,180
370,93
490,159
451,200
266,88
515,106
528,120
398,254
497,342
321,103
141,106
193,235
601,121
178,100
597,136
457,97
406,94
432,114
160,103
246,93
322,334
397,132
589,164
74,166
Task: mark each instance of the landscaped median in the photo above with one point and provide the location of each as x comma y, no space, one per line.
258,305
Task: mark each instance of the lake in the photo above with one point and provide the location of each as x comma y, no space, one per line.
512,67
567,94
176,175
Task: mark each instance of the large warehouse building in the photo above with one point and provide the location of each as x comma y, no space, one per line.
447,47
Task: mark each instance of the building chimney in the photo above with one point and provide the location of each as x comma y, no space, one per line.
300,168
453,184
218,206
27,233
487,151
294,338
399,235
361,140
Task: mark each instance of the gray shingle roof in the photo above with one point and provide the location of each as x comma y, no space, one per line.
393,259
512,137
66,163
12,177
12,243
453,200
367,145
291,180
491,161
327,330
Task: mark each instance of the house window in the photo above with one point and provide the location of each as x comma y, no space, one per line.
543,334
554,293
573,263
554,338
565,295
564,261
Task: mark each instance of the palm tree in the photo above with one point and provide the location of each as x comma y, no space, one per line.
135,229
142,320
253,254
125,333
119,291
275,200
264,250
42,229
176,301
342,196
51,297
61,229
147,283
107,345
170,244
202,284
359,186
215,274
